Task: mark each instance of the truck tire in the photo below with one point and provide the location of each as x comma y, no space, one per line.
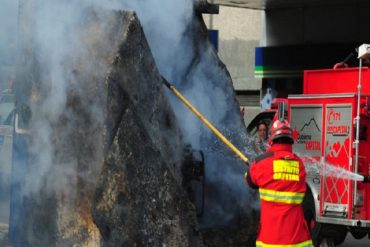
358,235
310,216
340,238
337,234
327,242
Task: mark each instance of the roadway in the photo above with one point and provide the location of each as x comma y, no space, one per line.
351,242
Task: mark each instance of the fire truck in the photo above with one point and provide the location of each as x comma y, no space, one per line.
330,123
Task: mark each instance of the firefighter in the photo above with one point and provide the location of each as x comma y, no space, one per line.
281,179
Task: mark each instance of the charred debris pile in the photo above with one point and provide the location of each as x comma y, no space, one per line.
119,171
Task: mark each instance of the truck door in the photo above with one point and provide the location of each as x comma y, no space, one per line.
306,122
336,188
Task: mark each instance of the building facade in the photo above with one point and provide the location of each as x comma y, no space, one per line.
239,33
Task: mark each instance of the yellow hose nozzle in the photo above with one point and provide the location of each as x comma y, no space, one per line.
206,122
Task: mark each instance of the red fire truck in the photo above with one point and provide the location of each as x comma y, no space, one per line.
330,123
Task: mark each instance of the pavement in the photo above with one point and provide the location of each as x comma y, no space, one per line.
352,242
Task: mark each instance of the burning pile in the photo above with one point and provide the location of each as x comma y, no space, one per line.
139,200
103,168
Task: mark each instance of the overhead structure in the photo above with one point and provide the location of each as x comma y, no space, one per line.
281,4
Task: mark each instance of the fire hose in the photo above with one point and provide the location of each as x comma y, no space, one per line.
206,122
213,129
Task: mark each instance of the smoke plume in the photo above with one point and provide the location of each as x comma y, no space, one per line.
58,45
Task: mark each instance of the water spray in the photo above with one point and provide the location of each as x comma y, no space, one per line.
206,122
313,167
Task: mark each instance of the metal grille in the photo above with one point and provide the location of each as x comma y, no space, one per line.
336,192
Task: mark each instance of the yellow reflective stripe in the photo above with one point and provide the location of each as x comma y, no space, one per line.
307,243
281,196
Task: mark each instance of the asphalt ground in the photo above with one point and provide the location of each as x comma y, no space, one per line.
352,242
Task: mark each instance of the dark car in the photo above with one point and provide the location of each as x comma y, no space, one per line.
6,105
6,141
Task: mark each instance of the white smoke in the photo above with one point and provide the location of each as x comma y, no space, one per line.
192,68
8,40
165,22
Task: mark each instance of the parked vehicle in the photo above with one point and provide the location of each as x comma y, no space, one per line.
6,105
6,141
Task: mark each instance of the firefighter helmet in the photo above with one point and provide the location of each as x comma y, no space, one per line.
279,129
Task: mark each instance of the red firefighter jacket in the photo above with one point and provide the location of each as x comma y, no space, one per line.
281,179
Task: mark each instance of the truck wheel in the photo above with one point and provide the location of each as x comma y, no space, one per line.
358,235
310,216
340,238
316,228
327,242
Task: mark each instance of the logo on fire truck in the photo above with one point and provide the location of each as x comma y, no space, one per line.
305,135
333,117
